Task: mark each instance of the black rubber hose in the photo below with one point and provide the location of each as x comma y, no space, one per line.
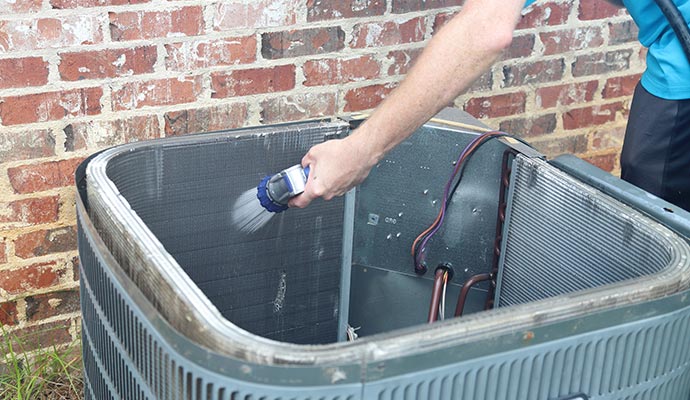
680,27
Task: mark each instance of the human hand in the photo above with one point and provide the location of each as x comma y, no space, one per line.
335,167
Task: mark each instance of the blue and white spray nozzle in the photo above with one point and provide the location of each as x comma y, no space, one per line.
275,191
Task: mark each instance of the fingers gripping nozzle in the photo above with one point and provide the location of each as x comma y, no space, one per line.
275,191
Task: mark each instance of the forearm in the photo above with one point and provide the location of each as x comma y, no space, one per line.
453,59
456,56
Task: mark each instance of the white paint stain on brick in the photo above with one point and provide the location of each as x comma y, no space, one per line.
373,34
233,15
72,103
80,31
120,61
54,303
547,13
97,134
276,13
360,5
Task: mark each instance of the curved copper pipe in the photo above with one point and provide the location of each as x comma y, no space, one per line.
466,289
436,295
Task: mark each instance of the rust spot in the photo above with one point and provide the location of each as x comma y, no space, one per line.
527,336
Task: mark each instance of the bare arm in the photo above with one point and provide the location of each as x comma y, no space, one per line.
457,55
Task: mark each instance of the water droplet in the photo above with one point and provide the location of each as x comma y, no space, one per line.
426,191
397,234
467,269
433,202
454,162
400,214
389,236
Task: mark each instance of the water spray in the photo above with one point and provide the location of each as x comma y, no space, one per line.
255,207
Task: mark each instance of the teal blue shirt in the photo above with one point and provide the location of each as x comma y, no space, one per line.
668,69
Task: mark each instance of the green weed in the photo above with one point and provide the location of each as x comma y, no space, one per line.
50,373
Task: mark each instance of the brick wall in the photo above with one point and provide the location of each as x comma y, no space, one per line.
80,75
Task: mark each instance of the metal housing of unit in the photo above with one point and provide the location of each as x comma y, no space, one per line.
177,304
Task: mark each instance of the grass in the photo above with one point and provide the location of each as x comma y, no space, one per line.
51,373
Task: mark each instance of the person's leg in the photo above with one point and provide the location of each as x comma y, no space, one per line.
656,150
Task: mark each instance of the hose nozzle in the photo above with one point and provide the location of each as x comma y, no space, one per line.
275,191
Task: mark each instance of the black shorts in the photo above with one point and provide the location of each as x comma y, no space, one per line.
656,150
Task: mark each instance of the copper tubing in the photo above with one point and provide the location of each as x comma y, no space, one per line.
466,289
436,295
508,156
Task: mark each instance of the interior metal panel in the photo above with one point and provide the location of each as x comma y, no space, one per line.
402,196
387,300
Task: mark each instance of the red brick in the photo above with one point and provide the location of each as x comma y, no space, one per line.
26,144
337,70
30,211
571,40
607,138
233,15
50,106
67,4
551,96
622,32
405,6
302,42
534,72
134,95
46,241
590,116
367,97
41,336
602,63
74,264
95,135
39,177
545,14
207,119
53,304
402,60
620,86
23,72
134,25
8,314
590,10
554,146
252,81
483,83
3,252
44,33
320,10
108,63
32,277
297,107
375,34
531,126
194,55
522,46
20,6
441,19
606,162
496,106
